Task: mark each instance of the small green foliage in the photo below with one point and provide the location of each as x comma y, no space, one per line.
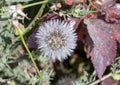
15,67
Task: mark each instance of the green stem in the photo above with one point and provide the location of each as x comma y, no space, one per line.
103,78
34,4
39,14
31,57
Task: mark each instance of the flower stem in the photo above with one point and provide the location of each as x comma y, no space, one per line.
34,4
39,14
103,78
31,57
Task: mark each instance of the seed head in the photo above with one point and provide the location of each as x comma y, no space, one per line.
56,39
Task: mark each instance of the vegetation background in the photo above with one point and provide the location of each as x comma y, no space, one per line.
21,63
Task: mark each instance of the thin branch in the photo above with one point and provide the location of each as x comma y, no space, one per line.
31,57
103,78
34,4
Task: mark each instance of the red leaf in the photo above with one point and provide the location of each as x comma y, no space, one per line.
81,33
112,10
110,81
104,50
49,16
116,30
69,2
75,23
88,46
99,61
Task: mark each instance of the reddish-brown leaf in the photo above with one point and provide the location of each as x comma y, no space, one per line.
104,50
88,45
110,81
69,2
99,61
74,22
116,30
49,16
81,33
112,10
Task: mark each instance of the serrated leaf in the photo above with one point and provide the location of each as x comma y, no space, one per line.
104,49
99,61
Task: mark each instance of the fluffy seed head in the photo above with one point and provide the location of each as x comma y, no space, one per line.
56,39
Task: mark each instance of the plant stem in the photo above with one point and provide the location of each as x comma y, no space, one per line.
103,78
39,14
34,4
31,57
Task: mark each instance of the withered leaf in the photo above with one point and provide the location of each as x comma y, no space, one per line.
104,49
